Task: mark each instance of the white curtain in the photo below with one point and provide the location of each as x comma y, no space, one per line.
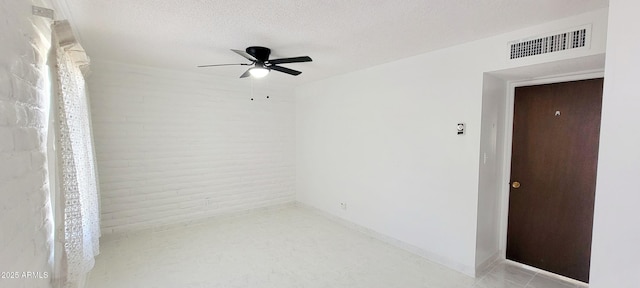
78,189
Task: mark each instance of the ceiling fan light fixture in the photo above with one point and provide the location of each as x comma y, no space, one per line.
258,72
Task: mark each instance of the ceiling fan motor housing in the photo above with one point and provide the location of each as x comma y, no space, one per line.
260,53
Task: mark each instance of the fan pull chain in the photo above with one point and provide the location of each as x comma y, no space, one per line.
251,89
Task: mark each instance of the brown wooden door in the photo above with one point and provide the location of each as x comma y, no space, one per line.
556,130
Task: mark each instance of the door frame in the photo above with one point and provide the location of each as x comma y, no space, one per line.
508,140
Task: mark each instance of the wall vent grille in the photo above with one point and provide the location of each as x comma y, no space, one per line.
548,44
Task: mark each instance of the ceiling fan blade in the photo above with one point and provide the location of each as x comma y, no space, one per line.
244,54
215,65
290,60
284,70
246,74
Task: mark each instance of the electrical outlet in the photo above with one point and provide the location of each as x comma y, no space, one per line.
42,12
343,205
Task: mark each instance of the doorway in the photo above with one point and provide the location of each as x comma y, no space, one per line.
553,167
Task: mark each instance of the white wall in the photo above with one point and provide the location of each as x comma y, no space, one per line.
384,141
616,234
173,146
494,95
26,235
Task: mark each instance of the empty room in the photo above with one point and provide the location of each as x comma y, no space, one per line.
419,143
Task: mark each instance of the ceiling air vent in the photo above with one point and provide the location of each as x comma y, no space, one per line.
546,44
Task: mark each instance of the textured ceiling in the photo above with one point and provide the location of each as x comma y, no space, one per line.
340,36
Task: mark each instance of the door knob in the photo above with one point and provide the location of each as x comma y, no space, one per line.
515,184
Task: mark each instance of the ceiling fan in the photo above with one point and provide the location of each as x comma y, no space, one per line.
259,57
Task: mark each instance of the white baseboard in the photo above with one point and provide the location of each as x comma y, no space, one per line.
126,231
433,257
484,267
